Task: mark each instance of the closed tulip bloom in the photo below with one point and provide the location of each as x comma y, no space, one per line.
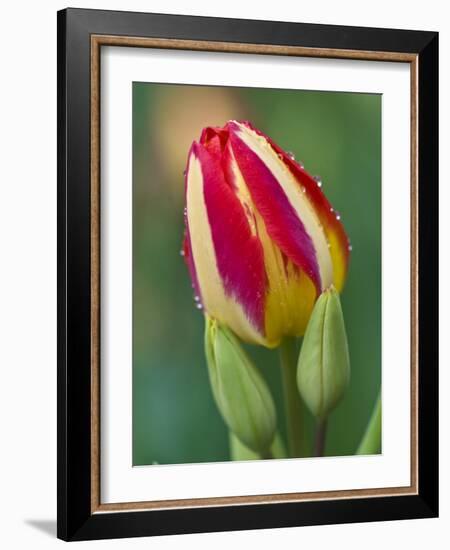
323,371
262,241
241,394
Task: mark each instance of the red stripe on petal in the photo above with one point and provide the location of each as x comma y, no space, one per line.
282,223
239,254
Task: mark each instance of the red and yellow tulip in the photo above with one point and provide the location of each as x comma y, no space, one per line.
262,241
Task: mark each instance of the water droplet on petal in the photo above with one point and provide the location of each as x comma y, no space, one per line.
331,209
318,180
184,172
197,298
303,189
338,216
350,247
300,163
181,252
291,155
199,306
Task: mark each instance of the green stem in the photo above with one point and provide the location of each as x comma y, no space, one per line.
319,442
371,441
292,400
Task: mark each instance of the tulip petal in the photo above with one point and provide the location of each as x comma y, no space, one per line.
228,259
289,217
334,229
290,293
239,253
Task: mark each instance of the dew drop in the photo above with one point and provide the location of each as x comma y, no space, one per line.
318,180
197,298
338,216
331,209
184,172
350,247
199,306
291,155
300,163
303,189
181,252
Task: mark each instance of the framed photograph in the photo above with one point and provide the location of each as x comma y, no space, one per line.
247,255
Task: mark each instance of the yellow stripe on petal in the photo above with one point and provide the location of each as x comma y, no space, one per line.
298,301
218,305
339,258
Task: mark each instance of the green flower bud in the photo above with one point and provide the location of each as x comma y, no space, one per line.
240,392
324,365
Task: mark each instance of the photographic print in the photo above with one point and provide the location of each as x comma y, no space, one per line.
256,274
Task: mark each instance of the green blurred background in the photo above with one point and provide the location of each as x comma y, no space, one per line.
337,136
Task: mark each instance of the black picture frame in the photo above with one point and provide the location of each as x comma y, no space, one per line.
76,521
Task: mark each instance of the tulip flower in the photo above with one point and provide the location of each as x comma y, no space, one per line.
262,241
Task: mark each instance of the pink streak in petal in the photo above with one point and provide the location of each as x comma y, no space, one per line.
239,254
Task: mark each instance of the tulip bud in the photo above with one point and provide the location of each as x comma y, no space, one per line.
262,241
324,365
240,392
